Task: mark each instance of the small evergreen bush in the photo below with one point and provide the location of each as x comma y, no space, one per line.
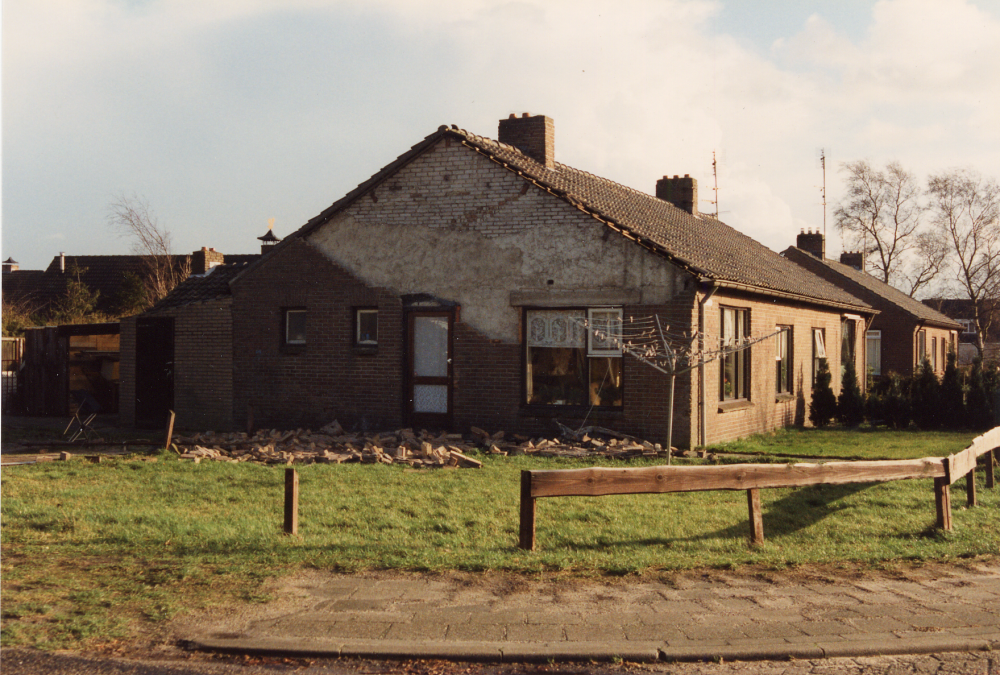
925,395
851,402
952,396
823,406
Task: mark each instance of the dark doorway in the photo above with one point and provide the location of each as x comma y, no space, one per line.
154,371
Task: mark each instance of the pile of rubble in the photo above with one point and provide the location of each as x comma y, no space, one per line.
333,445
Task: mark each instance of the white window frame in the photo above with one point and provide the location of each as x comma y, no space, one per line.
358,313
607,346
873,357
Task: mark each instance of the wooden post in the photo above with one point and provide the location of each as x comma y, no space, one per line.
291,501
942,500
170,431
756,519
989,466
970,488
527,513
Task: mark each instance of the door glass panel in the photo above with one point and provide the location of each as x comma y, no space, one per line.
430,347
430,398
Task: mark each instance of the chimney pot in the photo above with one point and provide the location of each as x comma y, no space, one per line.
62,261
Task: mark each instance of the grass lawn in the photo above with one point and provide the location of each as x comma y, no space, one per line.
862,443
151,539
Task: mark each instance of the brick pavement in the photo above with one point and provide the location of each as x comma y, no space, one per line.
720,616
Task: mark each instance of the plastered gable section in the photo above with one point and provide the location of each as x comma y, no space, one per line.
456,225
327,378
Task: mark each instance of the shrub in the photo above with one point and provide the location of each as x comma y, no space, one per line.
979,405
925,394
823,406
851,403
952,396
895,401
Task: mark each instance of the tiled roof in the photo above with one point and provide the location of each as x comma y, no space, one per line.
705,246
202,287
876,287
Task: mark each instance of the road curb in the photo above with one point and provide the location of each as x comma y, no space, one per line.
636,652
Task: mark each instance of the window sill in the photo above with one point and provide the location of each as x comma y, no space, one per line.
293,349
365,349
739,404
784,397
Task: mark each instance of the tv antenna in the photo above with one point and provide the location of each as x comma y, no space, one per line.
822,163
715,177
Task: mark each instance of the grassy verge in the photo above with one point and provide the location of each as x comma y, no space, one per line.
90,551
863,443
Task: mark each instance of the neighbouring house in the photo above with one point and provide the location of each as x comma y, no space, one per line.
104,275
445,291
178,355
903,332
963,311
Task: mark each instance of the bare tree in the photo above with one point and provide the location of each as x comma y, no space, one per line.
133,217
965,210
882,216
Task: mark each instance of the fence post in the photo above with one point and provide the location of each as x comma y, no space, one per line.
170,431
942,500
291,501
756,518
527,513
970,488
989,466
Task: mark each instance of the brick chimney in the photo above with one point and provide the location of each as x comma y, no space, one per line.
535,136
855,259
682,192
10,265
205,259
813,243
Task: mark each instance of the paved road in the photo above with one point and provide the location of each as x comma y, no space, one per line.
20,662
732,617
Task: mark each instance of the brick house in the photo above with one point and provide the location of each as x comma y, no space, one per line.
444,290
903,332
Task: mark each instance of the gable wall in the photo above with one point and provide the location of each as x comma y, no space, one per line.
454,224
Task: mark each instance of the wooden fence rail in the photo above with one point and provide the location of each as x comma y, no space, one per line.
596,482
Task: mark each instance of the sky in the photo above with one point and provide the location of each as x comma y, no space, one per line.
224,114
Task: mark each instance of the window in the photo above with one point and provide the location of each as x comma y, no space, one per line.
934,362
819,350
366,327
968,326
295,326
846,346
873,352
569,365
734,373
921,346
783,360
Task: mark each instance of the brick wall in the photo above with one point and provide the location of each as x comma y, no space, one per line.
328,377
203,366
765,409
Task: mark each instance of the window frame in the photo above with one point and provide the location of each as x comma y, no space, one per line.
740,389
589,352
286,315
784,352
876,337
358,312
818,350
934,354
921,347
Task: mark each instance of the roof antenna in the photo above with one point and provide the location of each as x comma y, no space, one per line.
715,177
822,162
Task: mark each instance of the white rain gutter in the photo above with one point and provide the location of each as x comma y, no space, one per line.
705,301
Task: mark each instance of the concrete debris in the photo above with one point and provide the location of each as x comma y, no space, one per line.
418,449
